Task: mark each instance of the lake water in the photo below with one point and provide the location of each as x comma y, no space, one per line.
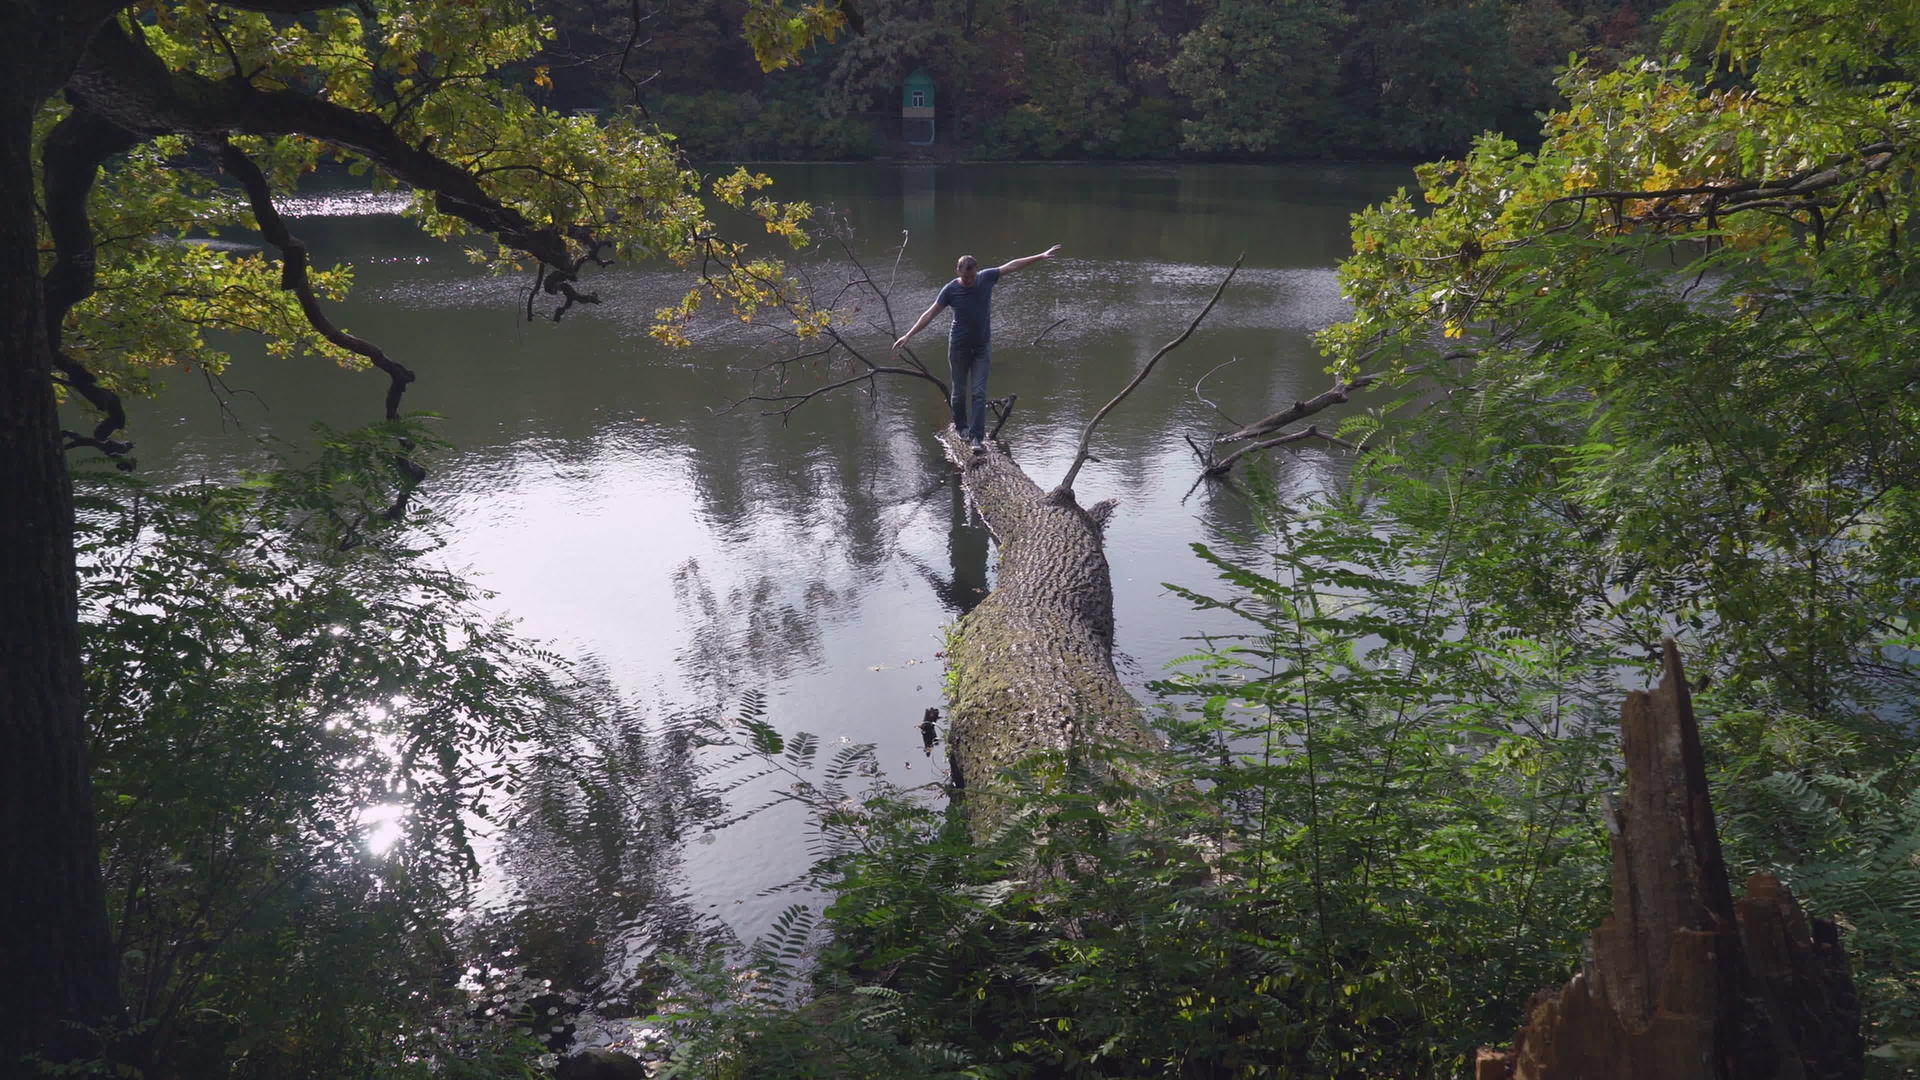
614,507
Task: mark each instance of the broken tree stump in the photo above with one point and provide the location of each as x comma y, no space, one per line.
1682,982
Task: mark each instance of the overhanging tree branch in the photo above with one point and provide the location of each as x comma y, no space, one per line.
123,94
293,273
123,81
1807,191
294,279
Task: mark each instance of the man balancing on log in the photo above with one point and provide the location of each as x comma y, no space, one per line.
970,341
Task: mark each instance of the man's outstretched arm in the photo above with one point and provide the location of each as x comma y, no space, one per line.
919,324
1011,265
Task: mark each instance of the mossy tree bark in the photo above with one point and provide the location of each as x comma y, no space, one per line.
1032,666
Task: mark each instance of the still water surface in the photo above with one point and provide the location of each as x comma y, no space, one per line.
614,507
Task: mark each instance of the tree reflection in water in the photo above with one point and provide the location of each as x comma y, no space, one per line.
591,849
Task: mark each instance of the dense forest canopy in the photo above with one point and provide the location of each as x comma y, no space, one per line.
1655,360
1101,78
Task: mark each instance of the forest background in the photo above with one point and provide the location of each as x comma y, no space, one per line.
1091,79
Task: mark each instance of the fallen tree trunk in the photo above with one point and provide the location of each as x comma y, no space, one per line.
1032,666
1683,982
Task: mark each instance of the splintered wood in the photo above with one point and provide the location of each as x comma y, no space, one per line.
1683,982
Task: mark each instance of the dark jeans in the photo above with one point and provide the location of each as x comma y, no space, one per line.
968,365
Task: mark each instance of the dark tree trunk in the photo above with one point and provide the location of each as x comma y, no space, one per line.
1032,665
1683,982
56,961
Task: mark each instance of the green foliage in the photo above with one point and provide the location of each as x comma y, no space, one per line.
296,721
1833,809
1664,363
163,288
1666,414
724,125
1043,79
1425,792
455,88
1258,76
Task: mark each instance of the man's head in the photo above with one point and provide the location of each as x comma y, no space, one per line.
968,267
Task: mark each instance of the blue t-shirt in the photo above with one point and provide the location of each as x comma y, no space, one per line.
972,308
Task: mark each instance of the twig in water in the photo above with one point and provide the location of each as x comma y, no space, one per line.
1218,411
897,256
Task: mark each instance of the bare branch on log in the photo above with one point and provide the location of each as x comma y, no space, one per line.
1100,512
837,343
1311,431
1213,466
897,256
1299,410
794,401
885,296
1086,437
1002,408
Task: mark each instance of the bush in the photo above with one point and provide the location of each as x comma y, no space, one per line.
721,126
715,125
1150,129
295,719
1024,132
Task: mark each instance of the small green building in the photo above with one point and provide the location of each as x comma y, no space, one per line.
916,108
